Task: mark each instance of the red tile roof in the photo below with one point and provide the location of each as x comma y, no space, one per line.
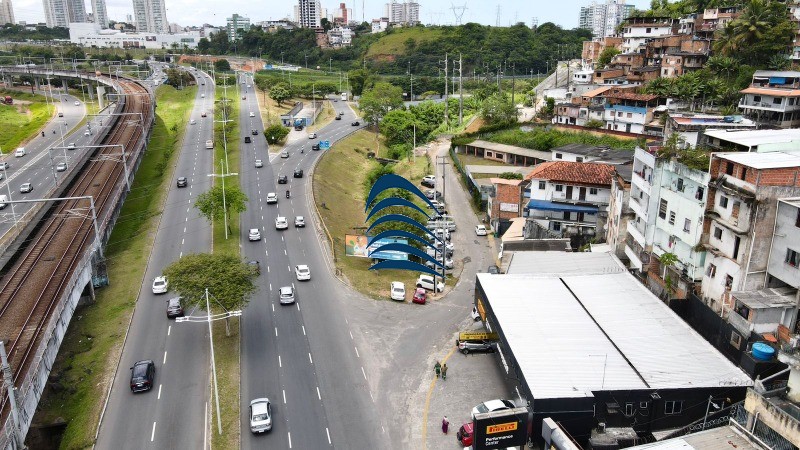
573,172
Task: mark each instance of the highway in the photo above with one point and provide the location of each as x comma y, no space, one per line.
301,356
173,414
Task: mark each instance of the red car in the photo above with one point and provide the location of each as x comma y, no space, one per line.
465,435
420,296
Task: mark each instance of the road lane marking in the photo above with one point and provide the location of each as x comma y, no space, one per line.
279,361
357,355
159,392
351,335
363,372
284,251
329,435
304,329
276,331
319,396
298,306
153,433
165,358
169,329
270,286
284,396
290,439
309,358
273,305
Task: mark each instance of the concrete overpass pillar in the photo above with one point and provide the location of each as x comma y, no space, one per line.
36,82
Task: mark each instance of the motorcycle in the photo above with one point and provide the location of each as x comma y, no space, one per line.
287,194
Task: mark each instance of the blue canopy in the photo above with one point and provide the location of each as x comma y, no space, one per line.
544,205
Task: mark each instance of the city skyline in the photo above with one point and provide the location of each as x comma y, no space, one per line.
435,12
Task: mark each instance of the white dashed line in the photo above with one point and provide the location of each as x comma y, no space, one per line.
159,392
165,358
284,396
319,396
169,330
276,331
363,372
304,329
279,361
356,349
153,433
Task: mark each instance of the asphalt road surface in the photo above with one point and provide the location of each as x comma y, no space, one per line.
173,414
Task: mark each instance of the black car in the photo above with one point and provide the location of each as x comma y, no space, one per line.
142,375
315,147
182,182
247,140
254,132
337,118
298,173
355,124
298,128
283,179
174,308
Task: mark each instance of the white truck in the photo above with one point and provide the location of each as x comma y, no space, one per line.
210,144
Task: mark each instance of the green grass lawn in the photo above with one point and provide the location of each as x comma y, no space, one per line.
89,355
23,120
394,43
226,348
339,180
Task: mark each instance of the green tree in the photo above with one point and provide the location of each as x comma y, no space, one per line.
397,127
763,30
280,93
360,79
276,133
498,109
510,176
325,24
228,279
378,101
222,65
210,203
203,45
606,56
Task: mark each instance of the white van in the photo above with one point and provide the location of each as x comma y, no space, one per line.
210,144
20,152
3,201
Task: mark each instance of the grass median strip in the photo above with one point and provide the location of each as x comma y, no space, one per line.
23,119
82,373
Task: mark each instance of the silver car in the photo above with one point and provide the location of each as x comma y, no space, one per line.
260,415
287,295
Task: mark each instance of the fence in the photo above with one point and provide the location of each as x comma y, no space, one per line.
474,190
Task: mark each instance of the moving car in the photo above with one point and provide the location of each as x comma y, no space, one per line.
287,295
160,285
174,307
254,235
283,179
355,123
260,415
420,296
20,152
480,230
61,167
202,95
272,197
87,133
203,114
426,282
143,374
284,154
259,163
491,406
466,347
281,223
397,291
254,132
302,272
252,114
429,181
312,135
247,140
244,97
299,222
4,165
71,146
60,114
337,118
24,188
315,147
77,103
182,182
192,122
298,173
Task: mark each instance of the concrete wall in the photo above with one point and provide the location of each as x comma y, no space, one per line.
771,416
787,236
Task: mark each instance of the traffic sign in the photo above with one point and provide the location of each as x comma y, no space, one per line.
324,145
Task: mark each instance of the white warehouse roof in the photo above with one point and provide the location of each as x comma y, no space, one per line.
575,333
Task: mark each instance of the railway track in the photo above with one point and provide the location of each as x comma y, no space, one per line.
36,281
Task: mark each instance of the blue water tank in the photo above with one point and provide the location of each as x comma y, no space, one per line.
762,351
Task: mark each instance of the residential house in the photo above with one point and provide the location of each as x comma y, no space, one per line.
691,127
638,30
380,25
675,64
629,112
626,61
642,75
591,153
773,98
592,49
601,76
740,220
504,153
567,199
339,37
751,140
716,19
794,16
504,204
784,256
619,213
645,186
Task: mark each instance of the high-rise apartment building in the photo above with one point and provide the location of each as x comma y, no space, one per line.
603,18
151,16
100,13
235,24
7,12
342,15
307,13
60,13
406,13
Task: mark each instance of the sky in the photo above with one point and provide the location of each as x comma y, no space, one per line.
437,12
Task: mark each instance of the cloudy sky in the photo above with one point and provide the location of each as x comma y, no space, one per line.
196,12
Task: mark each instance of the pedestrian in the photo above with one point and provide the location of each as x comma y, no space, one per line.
437,368
444,371
445,425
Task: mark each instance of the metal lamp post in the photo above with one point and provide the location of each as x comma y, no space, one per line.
224,204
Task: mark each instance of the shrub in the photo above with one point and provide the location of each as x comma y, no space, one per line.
276,133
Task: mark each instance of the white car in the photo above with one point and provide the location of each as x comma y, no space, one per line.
192,122
87,133
299,222
71,146
202,95
397,291
287,295
272,197
480,230
260,163
254,235
449,246
77,103
491,406
281,223
61,167
252,114
312,135
426,282
20,152
260,415
448,264
160,285
302,272
24,188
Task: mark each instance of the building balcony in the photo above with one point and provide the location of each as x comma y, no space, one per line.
636,234
740,323
561,197
639,208
643,181
768,106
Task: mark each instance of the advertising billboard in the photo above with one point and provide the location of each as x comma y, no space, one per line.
501,429
355,245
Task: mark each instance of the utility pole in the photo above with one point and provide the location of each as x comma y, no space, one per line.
460,93
444,202
513,74
446,82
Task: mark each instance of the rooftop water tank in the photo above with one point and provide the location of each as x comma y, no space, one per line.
762,351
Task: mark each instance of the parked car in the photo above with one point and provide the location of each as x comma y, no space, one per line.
480,230
254,235
174,307
302,272
484,346
397,291
299,222
420,296
491,406
24,188
287,295
143,374
448,264
298,173
476,316
465,435
426,282
260,415
442,233
281,223
283,179
429,181
160,285
182,182
272,197
432,194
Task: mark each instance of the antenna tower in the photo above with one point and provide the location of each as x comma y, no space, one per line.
497,20
458,12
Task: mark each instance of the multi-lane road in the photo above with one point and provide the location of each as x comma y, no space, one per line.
173,414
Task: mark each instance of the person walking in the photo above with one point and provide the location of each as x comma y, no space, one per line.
445,425
444,371
437,368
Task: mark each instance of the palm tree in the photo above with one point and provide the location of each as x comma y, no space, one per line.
778,62
724,66
725,42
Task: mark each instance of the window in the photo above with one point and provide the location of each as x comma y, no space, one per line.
711,271
699,194
628,409
729,168
671,242
559,156
757,98
736,340
673,407
717,233
777,101
593,191
542,184
643,405
559,187
556,226
792,258
680,185
723,201
797,220
687,225
578,159
629,115
744,173
662,209
648,30
728,281
672,217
